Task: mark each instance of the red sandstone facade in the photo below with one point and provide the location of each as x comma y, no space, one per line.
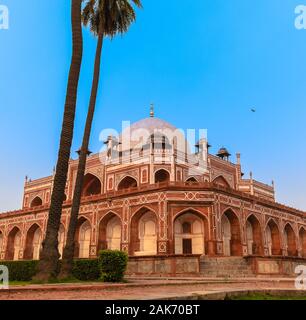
148,203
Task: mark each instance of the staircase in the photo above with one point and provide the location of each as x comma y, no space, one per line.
225,267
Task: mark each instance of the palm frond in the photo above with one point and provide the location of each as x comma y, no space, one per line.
109,16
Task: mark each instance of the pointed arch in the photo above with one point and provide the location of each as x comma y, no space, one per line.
83,238
91,185
290,240
142,209
13,244
1,240
196,212
231,233
144,232
127,183
36,202
302,241
190,232
272,236
61,240
161,175
110,229
254,235
222,182
192,180
33,242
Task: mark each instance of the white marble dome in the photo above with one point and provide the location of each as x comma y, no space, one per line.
152,124
139,133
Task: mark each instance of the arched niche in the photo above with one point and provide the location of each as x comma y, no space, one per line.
127,183
254,236
1,241
273,238
83,238
61,240
110,228
190,233
192,180
302,240
33,243
36,202
231,234
144,229
91,185
13,244
290,240
222,182
161,176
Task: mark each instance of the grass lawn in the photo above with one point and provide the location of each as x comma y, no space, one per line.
19,283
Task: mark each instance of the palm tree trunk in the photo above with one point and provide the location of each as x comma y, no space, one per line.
68,253
49,256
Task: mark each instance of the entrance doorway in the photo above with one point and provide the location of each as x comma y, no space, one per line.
187,246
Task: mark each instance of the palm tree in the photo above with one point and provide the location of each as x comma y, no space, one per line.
49,256
105,18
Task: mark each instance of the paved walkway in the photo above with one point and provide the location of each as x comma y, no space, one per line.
146,288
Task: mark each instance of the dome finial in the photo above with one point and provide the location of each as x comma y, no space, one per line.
152,110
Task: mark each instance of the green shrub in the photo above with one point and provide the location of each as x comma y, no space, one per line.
112,264
110,267
86,269
22,270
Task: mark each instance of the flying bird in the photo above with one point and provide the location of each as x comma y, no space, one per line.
253,110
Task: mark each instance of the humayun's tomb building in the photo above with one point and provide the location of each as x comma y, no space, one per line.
173,211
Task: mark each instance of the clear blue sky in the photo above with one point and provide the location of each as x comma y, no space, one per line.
204,63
